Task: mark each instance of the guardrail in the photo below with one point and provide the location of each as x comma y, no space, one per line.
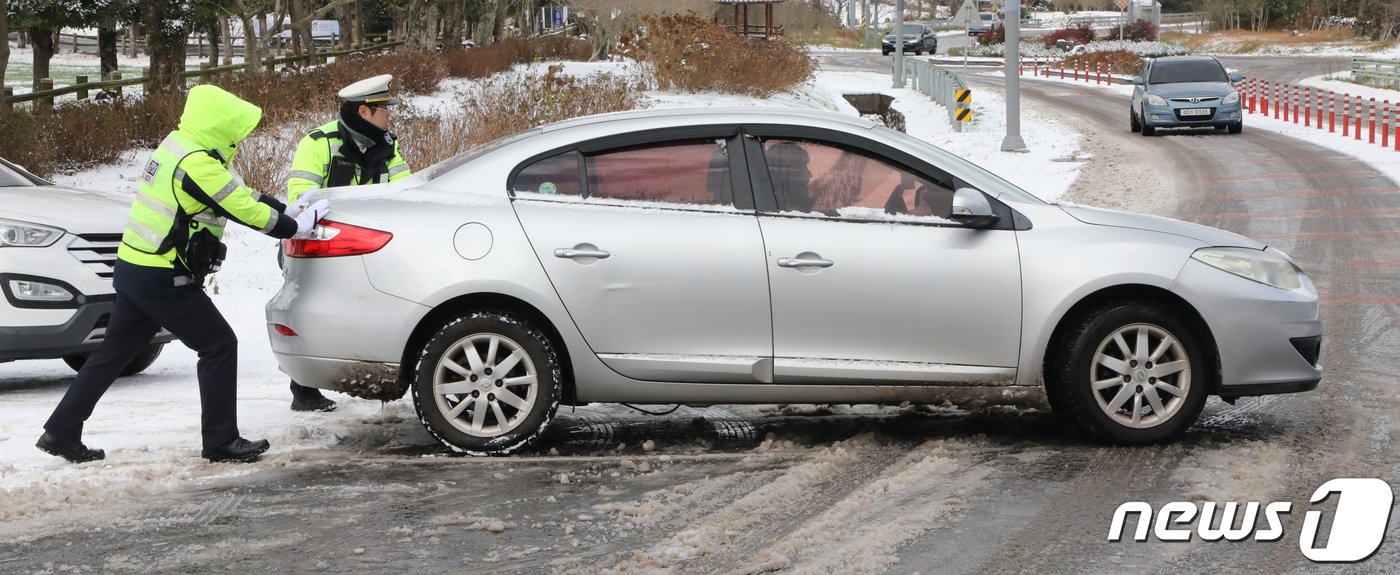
1387,71
44,98
938,84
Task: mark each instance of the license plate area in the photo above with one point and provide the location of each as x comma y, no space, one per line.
1195,112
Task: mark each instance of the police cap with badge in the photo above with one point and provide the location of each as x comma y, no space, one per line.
370,91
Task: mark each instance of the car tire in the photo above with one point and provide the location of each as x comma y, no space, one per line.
1129,336
1237,128
884,52
1133,124
137,364
918,52
474,420
1148,130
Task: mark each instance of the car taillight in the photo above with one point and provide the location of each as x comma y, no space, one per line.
335,239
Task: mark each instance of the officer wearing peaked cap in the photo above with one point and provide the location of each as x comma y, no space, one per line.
356,148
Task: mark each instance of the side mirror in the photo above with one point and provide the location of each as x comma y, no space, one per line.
1235,77
971,209
1137,80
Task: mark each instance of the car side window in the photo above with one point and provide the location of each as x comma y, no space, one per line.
554,175
691,172
837,181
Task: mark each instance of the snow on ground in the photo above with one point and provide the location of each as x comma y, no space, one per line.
149,423
1338,83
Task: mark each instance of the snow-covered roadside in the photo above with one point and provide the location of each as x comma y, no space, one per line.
149,424
1337,83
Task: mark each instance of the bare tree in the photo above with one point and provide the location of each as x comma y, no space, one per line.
607,21
5,36
251,12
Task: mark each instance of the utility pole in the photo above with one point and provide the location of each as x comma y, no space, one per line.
898,44
1013,142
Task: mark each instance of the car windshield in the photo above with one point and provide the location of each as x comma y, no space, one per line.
1198,71
11,177
913,29
987,17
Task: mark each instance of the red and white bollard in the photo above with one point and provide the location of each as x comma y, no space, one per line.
1307,107
1359,115
1331,112
1319,108
1385,124
1346,115
1371,121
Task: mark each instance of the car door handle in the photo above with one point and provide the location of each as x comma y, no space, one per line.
575,254
802,263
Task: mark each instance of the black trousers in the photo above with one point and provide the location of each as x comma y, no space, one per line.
147,300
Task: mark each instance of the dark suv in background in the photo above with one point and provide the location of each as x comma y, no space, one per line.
918,38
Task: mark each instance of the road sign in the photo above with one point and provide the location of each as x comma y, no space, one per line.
967,15
964,114
963,95
1121,3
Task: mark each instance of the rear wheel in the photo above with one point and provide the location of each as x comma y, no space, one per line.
137,364
1129,373
487,383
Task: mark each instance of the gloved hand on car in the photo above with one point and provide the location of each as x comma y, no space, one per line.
302,202
306,220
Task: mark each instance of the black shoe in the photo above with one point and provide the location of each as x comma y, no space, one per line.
237,451
319,403
74,451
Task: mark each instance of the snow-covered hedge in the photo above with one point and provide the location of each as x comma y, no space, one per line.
1034,49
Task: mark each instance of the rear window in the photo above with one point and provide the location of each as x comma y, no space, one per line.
1199,71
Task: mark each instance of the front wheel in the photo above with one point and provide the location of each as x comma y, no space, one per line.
137,364
1237,127
1130,373
1133,124
487,383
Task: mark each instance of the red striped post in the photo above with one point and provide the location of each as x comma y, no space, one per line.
1357,133
1319,108
1307,108
1385,124
1253,96
1277,103
1264,98
1371,122
1098,73
1346,115
1289,104
1062,69
1331,112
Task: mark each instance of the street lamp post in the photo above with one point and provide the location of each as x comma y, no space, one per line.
1013,142
898,44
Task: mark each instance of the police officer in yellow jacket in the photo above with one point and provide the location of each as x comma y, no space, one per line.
171,242
357,148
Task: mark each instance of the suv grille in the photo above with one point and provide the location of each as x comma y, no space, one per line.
98,252
1202,100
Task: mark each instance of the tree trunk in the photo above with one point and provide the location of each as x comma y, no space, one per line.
5,45
345,14
165,42
42,39
498,21
252,48
107,50
215,38
227,36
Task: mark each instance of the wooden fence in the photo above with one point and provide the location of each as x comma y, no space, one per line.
43,97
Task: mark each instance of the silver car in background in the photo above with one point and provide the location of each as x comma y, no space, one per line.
772,256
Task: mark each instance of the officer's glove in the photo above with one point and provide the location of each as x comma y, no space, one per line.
306,220
302,202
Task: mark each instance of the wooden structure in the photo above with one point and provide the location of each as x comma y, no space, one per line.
741,18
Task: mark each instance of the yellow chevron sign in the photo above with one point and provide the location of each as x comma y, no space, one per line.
963,95
964,114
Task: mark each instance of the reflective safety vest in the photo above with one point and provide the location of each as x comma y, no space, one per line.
180,185
312,164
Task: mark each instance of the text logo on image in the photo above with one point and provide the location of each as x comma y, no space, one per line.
1358,527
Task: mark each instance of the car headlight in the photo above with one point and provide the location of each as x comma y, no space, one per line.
1156,100
27,235
1232,98
1263,266
26,290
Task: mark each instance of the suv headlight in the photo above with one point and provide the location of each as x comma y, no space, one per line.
27,235
1156,100
1263,266
1232,98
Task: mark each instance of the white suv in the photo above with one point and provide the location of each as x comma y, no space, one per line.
57,249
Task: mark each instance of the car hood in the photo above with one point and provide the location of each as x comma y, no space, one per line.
1204,234
73,210
907,37
1188,89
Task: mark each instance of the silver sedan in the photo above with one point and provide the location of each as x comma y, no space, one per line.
772,256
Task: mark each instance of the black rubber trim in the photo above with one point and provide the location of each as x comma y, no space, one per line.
1232,391
56,341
